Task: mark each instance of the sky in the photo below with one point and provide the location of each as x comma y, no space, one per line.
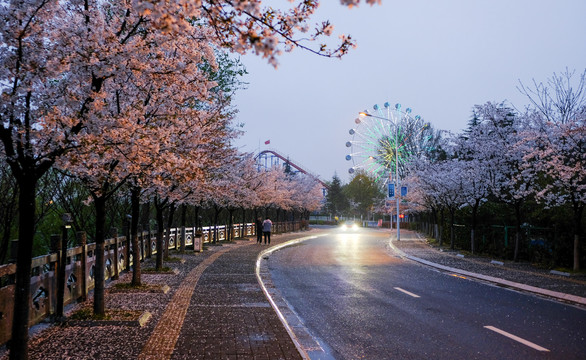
439,58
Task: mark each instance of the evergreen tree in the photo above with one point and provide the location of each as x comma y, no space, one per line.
364,192
288,171
336,201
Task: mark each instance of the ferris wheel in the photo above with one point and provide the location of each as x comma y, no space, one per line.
385,140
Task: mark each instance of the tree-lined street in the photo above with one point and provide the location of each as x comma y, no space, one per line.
119,118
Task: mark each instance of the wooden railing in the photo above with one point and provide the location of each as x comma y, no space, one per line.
81,261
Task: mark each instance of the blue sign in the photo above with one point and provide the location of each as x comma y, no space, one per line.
403,190
391,191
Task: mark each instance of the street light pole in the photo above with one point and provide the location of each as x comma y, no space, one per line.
398,186
397,181
383,145
61,279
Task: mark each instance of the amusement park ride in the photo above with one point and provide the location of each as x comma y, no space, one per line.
269,158
382,144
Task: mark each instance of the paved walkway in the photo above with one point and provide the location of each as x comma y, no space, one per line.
216,309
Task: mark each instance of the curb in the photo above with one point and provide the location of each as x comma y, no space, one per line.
286,315
501,282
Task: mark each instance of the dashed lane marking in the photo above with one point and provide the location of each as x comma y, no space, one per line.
407,292
516,338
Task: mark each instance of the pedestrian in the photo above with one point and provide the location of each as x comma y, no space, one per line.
266,229
258,230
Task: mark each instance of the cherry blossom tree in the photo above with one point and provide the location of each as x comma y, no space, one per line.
306,195
58,57
236,188
438,185
273,192
41,109
246,25
424,192
556,146
503,157
152,85
482,162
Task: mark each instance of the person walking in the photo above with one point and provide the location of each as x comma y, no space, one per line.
266,229
259,230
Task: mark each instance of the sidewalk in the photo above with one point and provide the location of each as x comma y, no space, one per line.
516,275
214,309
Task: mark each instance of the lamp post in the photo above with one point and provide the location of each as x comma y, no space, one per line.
66,224
397,180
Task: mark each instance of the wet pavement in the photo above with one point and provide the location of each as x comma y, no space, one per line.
217,309
356,295
214,309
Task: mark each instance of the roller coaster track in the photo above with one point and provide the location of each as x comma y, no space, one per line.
286,160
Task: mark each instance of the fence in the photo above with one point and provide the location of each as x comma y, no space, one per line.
81,261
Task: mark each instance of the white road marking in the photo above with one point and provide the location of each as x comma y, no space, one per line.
516,338
407,292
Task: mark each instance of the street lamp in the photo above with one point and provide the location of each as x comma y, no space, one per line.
66,220
397,180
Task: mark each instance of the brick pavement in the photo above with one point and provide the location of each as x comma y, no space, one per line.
215,309
229,316
162,341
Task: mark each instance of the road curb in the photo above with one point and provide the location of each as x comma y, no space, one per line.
501,282
286,315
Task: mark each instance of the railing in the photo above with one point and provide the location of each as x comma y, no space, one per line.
81,265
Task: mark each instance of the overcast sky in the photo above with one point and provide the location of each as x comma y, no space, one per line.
439,58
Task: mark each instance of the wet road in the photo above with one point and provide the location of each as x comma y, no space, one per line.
360,301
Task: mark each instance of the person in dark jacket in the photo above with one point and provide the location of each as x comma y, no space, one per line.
266,229
258,230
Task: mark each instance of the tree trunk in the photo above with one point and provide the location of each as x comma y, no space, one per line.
518,228
576,252
216,216
183,225
7,222
441,225
578,210
473,230
99,302
160,208
170,217
452,230
22,293
230,229
196,217
135,199
243,227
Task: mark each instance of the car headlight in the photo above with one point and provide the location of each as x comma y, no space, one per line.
344,227
355,227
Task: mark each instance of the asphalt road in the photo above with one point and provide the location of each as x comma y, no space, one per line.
360,301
